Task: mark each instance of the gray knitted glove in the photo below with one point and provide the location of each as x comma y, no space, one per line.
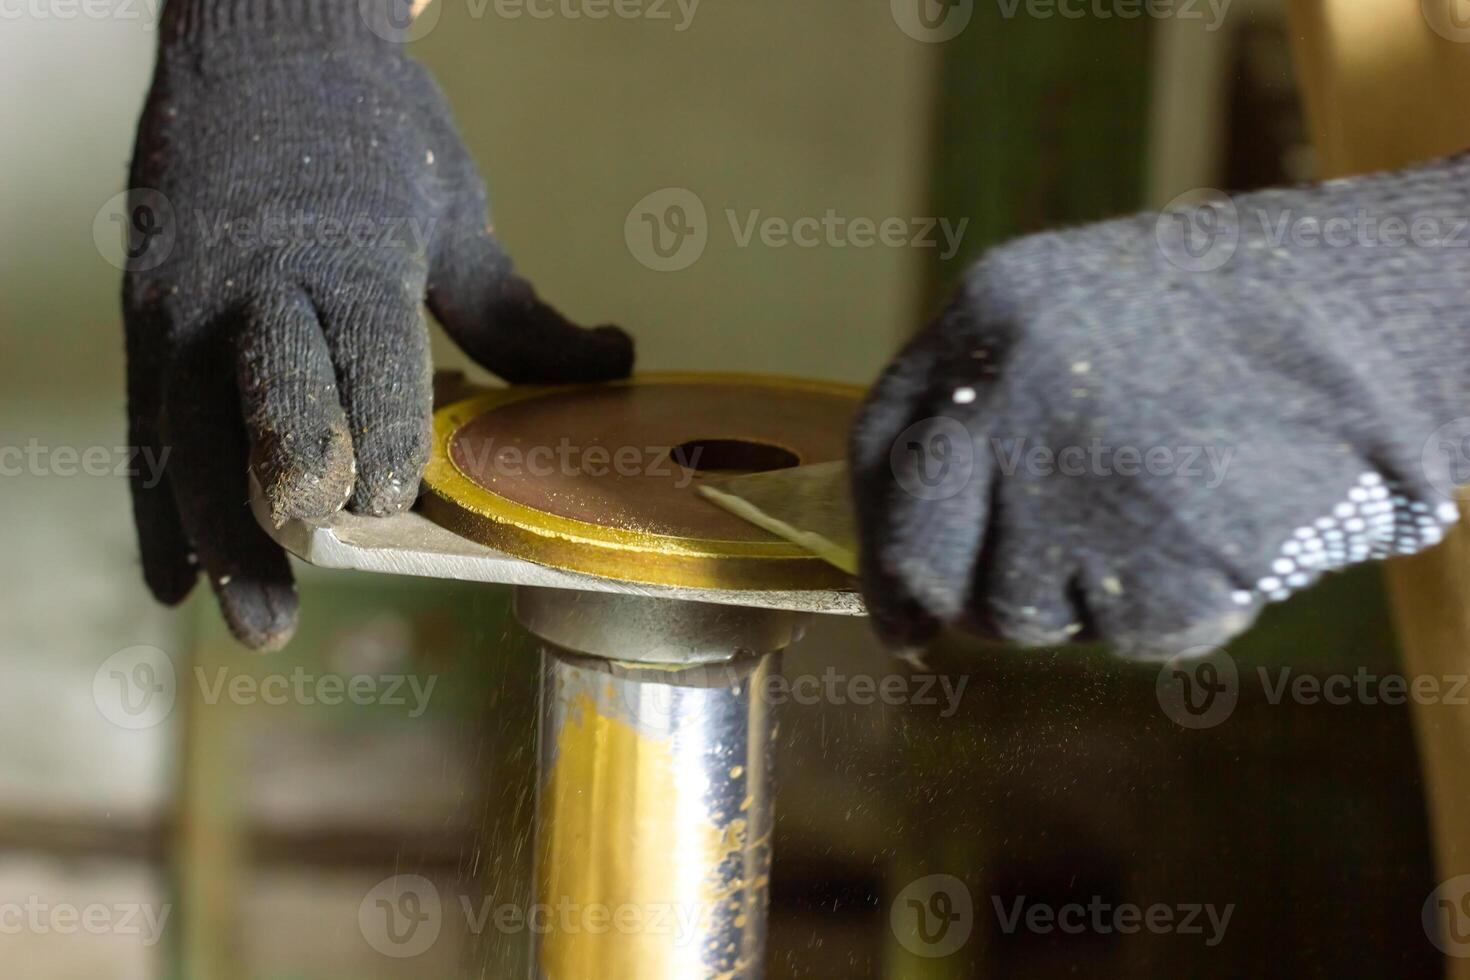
1143,431
298,191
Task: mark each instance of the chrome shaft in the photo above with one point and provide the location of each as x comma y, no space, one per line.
654,811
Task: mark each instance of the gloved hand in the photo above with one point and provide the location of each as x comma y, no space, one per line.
1142,431
298,190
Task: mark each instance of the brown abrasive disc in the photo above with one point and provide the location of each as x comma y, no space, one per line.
603,479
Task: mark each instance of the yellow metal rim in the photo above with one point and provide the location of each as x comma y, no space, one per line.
454,501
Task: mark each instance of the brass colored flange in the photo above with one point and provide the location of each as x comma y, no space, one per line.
603,479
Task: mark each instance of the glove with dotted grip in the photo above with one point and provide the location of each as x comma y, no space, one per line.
1143,431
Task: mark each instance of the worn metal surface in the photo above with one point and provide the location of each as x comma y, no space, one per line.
645,630
603,479
654,814
807,505
409,544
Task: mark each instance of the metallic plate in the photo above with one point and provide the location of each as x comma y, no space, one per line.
592,479
409,544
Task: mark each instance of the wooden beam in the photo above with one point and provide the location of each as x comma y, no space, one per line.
1384,88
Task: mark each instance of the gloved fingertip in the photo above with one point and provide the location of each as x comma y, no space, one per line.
261,615
390,463
170,578
1195,638
902,625
616,350
384,498
169,566
565,354
604,353
305,483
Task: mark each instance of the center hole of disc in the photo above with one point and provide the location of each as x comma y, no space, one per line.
732,456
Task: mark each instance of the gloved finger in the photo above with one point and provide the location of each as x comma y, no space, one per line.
168,566
1201,608
202,421
498,319
923,526
921,493
1028,589
380,347
299,447
167,557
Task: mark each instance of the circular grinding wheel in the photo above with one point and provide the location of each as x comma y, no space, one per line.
602,479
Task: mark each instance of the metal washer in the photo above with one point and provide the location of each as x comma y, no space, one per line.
580,511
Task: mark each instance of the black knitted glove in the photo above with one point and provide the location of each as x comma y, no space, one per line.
1144,430
298,191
